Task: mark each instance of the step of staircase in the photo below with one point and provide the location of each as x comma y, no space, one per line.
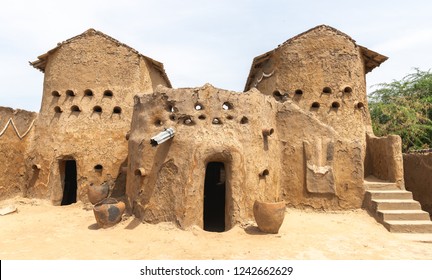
372,183
408,226
395,209
389,194
395,204
402,215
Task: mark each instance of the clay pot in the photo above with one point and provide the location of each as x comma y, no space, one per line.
269,216
108,212
97,193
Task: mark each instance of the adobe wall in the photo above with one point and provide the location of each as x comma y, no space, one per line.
308,163
320,169
322,71
15,136
166,182
384,159
86,111
418,178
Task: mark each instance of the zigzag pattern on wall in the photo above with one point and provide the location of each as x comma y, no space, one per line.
11,122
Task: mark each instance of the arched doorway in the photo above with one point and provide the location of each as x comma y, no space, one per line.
68,174
214,197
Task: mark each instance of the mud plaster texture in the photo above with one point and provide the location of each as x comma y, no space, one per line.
300,133
418,178
15,135
89,84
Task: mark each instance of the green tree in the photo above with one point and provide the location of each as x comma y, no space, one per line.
404,108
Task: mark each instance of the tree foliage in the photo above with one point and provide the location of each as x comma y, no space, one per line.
404,108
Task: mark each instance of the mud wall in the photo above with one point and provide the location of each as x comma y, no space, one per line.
418,178
166,183
15,136
86,111
384,159
322,71
321,169
318,81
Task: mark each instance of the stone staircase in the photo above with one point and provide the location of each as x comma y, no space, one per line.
395,208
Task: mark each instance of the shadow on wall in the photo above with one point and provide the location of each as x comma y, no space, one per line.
119,189
418,178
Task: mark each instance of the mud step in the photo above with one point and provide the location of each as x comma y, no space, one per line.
395,204
408,226
380,186
389,194
402,215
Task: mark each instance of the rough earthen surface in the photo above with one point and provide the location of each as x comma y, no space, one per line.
300,133
418,178
89,84
16,129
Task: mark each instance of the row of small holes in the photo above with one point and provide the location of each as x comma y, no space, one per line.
198,106
336,105
189,121
326,90
96,109
87,92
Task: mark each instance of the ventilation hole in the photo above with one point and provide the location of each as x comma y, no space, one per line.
140,172
277,93
188,121
202,117
267,132
55,93
117,110
36,166
70,93
327,90
227,106
335,105
264,173
158,122
279,96
171,108
57,109
97,109
347,90
172,117
108,93
98,167
315,105
298,92
360,105
244,120
216,121
88,92
199,106
229,117
75,108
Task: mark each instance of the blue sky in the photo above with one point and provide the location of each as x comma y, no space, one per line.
206,41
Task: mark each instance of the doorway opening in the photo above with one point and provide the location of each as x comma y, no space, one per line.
214,197
68,171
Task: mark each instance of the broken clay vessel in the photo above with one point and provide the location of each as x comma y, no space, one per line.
108,212
97,193
269,216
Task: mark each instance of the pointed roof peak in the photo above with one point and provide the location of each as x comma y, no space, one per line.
42,59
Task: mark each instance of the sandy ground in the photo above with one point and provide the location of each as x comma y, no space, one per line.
39,230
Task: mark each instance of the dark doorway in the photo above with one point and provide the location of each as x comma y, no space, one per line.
214,197
69,170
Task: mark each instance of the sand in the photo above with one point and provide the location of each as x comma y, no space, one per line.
38,230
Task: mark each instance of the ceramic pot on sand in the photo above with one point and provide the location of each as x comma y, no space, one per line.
269,216
108,212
